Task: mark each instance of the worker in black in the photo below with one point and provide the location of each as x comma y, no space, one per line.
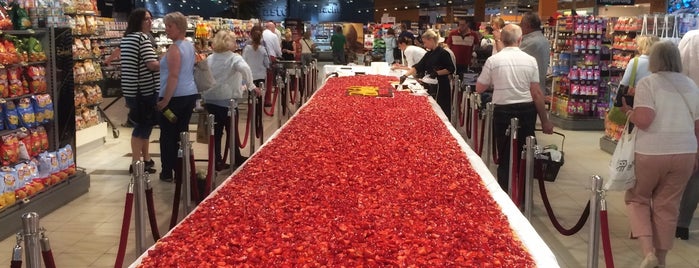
438,63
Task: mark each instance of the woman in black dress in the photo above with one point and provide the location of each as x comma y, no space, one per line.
288,46
436,63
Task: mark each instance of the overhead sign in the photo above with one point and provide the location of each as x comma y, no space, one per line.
616,2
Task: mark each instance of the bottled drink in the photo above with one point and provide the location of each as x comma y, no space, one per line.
169,115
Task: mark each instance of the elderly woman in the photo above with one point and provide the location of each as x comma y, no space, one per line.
229,70
666,109
436,63
639,65
178,93
139,82
307,48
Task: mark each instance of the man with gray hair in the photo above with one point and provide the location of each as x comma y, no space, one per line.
273,45
535,44
514,76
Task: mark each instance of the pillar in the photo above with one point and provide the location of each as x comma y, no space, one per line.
479,10
547,8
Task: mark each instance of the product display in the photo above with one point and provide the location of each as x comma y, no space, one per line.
350,188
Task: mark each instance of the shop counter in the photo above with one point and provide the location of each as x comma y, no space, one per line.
358,180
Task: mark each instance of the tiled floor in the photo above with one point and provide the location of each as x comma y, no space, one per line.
85,233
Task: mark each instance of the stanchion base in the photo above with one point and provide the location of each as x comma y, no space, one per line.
44,203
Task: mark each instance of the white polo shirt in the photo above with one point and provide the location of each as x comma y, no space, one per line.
689,51
510,72
413,55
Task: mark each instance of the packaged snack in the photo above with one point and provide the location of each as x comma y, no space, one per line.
37,76
5,24
2,117
11,51
11,115
9,150
14,75
26,113
43,137
23,181
4,83
9,178
65,157
9,181
48,166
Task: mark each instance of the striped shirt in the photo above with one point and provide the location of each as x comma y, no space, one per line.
135,76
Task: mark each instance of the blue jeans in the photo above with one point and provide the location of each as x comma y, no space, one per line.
182,107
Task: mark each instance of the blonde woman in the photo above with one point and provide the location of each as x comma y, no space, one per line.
229,70
643,42
178,93
497,23
288,46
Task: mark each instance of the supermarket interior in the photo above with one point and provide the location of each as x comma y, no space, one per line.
347,161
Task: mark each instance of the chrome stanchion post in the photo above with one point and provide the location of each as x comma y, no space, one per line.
140,206
529,177
488,135
297,81
186,174
232,133
30,231
514,125
212,155
253,122
471,98
594,234
17,250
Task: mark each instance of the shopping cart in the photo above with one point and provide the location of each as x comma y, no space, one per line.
546,162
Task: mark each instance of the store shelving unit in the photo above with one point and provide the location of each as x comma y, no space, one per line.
578,88
57,43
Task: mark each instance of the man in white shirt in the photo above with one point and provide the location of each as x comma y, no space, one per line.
273,44
689,52
411,54
514,76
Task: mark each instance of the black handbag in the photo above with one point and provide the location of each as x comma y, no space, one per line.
144,113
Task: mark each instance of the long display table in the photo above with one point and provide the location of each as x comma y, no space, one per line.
355,180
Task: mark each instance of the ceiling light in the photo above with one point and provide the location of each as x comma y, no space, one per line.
385,9
449,1
395,8
505,7
418,6
359,11
406,7
376,10
437,3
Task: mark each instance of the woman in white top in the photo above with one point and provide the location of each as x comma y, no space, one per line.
411,54
307,48
643,42
255,55
666,109
229,70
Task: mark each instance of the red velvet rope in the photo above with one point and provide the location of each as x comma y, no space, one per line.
462,111
193,185
514,166
493,147
18,264
552,216
178,192
247,126
126,221
292,93
210,166
606,243
151,215
478,142
274,104
48,259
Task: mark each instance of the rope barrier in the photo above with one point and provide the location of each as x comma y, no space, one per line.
46,252
514,150
247,126
210,166
125,223
178,192
606,243
478,142
462,111
16,261
496,157
274,104
194,180
258,123
15,264
292,93
151,214
567,232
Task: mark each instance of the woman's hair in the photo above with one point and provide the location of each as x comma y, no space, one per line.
256,36
432,35
223,41
497,21
178,19
391,31
287,34
644,42
135,22
664,56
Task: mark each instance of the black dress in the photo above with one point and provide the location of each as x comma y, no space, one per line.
438,59
290,46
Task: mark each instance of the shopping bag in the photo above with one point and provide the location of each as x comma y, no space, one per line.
202,76
621,169
203,129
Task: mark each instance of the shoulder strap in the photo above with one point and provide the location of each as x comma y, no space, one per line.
684,99
632,80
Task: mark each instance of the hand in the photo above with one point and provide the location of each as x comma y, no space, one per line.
162,104
402,78
547,127
433,73
625,106
258,91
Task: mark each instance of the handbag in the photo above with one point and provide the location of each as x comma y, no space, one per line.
202,76
629,91
621,168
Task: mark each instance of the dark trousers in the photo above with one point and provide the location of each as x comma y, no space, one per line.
442,94
339,57
182,107
461,70
222,121
526,113
690,198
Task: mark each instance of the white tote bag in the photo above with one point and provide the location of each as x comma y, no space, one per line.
621,168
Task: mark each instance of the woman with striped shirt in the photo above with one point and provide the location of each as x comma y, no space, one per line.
139,80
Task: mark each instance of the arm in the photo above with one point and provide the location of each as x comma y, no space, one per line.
244,69
173,64
498,43
538,98
480,88
116,55
148,55
449,69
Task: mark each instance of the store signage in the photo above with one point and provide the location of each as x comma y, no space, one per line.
616,2
273,10
329,12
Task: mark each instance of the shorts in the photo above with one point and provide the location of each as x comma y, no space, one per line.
139,131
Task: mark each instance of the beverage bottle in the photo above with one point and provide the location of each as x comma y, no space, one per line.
169,115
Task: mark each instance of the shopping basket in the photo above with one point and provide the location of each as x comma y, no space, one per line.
545,167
